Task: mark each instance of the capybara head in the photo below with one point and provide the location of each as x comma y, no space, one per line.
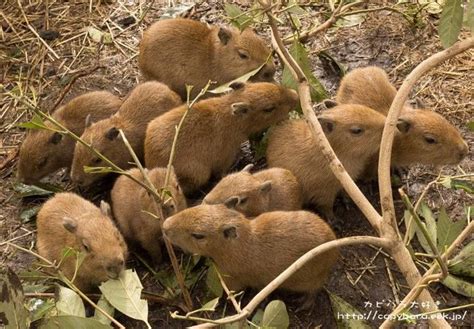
259,105
42,153
242,192
204,229
238,53
104,136
356,128
101,242
428,138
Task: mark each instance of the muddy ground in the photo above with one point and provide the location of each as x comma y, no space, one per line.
383,38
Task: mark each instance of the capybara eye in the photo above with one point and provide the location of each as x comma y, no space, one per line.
243,54
197,236
356,130
243,199
430,140
269,109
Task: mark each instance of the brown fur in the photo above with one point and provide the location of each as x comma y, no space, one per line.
67,220
371,87
147,101
291,145
213,130
367,86
182,51
253,194
43,151
251,253
131,202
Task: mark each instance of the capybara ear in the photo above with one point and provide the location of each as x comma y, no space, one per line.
88,120
266,186
329,103
224,35
247,168
232,202
229,231
56,138
237,85
403,125
70,224
240,108
105,209
112,133
327,124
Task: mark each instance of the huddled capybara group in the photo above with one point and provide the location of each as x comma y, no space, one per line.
252,223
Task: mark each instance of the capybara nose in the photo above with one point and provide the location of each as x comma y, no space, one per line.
464,151
115,268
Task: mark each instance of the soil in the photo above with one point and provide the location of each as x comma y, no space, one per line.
365,274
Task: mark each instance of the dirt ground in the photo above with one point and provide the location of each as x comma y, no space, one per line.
364,274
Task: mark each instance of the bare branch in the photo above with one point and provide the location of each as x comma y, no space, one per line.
300,262
305,99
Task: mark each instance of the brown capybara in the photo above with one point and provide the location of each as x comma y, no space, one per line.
425,136
44,151
210,137
145,102
251,253
182,51
253,194
132,205
354,132
69,221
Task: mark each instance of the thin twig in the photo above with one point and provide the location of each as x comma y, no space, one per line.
73,80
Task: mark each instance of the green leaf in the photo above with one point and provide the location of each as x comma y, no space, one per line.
177,10
237,17
350,20
244,78
448,230
258,318
469,12
340,306
69,321
410,230
470,124
105,305
450,22
463,263
98,36
295,8
35,123
69,303
275,315
432,7
27,215
12,310
98,170
458,184
459,285
430,225
124,294
299,53
40,308
213,282
30,190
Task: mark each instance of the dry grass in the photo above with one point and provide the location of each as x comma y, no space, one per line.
45,45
